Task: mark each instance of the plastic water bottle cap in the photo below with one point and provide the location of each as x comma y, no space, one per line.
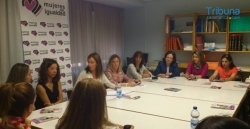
194,107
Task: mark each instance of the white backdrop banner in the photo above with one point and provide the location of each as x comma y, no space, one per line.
45,33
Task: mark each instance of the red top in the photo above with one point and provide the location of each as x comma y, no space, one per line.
223,73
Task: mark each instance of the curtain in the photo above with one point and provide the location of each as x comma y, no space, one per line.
10,37
94,28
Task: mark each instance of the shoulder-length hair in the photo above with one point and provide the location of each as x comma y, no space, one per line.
109,65
229,58
43,71
200,55
15,98
18,73
174,57
87,107
99,69
140,54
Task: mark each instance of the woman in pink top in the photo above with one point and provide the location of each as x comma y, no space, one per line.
227,70
198,67
115,74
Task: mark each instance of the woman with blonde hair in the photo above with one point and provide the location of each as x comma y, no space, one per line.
87,108
19,73
115,74
197,68
16,104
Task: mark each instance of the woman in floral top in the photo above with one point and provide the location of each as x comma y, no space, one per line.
115,74
17,103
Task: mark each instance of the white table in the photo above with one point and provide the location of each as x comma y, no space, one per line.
158,108
198,93
199,83
139,120
166,106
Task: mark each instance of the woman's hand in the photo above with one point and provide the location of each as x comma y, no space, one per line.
192,76
187,75
162,75
211,78
132,83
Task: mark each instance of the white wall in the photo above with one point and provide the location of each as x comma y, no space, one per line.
144,26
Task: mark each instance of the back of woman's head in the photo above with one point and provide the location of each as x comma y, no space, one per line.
15,98
87,106
222,122
43,71
18,73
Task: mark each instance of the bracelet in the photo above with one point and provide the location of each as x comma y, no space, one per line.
126,84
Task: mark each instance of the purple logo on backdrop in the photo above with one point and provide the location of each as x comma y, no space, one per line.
69,81
59,25
25,23
37,69
31,81
68,65
67,50
27,43
65,33
36,52
60,42
61,58
28,62
33,6
64,91
43,24
53,51
33,32
63,74
44,42
51,33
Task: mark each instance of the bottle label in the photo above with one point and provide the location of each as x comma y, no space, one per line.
119,93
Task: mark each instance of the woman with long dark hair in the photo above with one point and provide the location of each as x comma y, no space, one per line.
137,70
49,88
227,70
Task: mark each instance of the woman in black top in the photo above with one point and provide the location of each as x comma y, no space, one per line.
49,88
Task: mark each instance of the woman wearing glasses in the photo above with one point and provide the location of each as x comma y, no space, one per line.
198,67
168,67
137,70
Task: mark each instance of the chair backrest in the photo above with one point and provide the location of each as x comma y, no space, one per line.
69,93
129,60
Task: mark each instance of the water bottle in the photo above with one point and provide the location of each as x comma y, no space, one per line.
119,90
195,115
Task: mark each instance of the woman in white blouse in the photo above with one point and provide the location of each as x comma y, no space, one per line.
94,70
137,70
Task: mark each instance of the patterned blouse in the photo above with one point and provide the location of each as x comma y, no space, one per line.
116,77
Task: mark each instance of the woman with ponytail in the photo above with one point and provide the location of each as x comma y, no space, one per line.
16,104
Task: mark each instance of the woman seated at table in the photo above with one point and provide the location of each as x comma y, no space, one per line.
137,70
95,70
227,70
87,108
168,67
115,74
19,73
16,104
49,88
198,67
222,122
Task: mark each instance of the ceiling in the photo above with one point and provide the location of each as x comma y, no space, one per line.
121,3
